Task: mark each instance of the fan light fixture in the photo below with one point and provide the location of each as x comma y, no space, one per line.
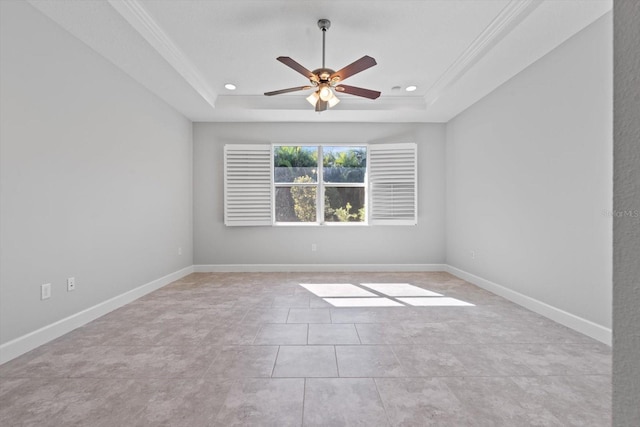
324,92
329,97
325,81
313,98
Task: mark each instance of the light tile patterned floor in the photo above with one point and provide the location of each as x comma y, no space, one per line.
227,349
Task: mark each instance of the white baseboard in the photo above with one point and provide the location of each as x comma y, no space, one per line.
268,268
28,342
584,326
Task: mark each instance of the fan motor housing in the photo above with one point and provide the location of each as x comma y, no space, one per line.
324,74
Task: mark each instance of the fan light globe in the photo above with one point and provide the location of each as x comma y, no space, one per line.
313,98
325,93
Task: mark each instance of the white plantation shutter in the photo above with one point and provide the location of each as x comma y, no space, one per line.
393,173
247,184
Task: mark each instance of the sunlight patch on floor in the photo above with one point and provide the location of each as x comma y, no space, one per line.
388,295
336,290
362,302
435,302
400,290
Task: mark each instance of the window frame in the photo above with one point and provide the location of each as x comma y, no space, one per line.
320,187
391,185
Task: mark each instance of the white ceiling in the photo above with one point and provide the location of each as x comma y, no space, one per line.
455,51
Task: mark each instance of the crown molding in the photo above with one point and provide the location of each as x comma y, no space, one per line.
137,16
514,12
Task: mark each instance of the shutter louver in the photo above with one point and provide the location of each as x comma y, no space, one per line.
247,185
393,184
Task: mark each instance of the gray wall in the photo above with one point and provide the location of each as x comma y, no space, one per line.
529,183
214,243
626,229
95,175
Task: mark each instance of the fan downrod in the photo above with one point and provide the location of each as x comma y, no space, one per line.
324,25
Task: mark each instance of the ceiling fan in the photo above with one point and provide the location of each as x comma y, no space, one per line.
325,80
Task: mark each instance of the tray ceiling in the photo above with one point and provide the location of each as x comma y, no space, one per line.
454,51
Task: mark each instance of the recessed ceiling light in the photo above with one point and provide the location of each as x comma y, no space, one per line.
411,88
230,86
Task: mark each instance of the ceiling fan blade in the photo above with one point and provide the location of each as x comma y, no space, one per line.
293,64
291,89
358,91
321,105
355,67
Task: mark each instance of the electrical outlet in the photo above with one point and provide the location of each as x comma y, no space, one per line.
45,291
71,284
179,251
314,247
473,254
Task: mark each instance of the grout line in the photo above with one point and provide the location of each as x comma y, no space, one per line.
304,396
255,335
357,333
253,342
384,407
215,359
402,367
335,352
275,361
232,383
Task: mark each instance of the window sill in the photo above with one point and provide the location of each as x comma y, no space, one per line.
318,224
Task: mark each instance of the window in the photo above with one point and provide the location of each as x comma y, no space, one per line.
320,184
295,177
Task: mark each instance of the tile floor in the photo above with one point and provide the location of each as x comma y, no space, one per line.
253,349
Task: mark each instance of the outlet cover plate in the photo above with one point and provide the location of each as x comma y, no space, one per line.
45,291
